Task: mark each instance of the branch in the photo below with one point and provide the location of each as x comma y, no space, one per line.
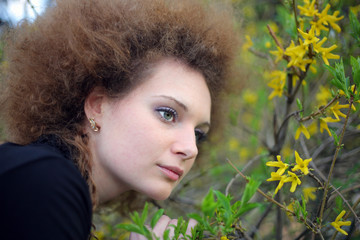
321,110
32,7
333,164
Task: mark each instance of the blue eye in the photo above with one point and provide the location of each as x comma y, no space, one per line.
200,136
167,114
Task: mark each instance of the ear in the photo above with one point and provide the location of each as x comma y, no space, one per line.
94,104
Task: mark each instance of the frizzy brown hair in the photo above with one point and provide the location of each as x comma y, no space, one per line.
55,62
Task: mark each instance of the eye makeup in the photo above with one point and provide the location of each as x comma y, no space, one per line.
167,114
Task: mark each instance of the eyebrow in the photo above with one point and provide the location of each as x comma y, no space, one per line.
182,106
175,100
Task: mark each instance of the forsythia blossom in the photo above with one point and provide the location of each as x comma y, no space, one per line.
336,110
337,223
308,9
277,177
302,129
301,164
279,164
330,19
309,193
293,178
323,124
277,83
279,54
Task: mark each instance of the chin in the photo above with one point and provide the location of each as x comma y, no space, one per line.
158,193
160,196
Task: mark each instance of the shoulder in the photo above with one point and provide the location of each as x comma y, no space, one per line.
42,191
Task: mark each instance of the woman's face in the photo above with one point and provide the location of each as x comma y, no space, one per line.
147,140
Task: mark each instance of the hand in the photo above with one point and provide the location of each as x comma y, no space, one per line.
162,225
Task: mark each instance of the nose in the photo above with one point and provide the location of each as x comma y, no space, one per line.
185,144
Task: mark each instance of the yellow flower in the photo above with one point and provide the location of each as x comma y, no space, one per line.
248,44
224,238
336,110
302,129
326,54
302,64
279,54
337,223
297,53
279,164
355,9
250,97
318,45
268,44
309,193
319,25
330,19
312,67
291,208
277,177
323,96
323,124
301,164
233,144
312,128
308,9
309,37
295,78
277,83
244,153
293,178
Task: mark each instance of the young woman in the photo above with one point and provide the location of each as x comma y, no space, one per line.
101,99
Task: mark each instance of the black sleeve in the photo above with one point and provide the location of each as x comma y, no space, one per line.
44,199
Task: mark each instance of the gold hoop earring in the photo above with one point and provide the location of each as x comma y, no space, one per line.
93,125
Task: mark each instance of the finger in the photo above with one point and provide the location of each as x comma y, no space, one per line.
172,228
192,224
136,236
161,225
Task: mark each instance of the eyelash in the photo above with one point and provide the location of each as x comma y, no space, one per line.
164,110
200,136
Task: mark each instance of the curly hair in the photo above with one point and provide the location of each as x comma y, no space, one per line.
77,45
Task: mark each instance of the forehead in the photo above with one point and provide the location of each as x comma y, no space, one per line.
175,79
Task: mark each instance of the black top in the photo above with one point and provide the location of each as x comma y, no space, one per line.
42,193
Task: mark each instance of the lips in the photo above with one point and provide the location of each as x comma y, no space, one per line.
171,172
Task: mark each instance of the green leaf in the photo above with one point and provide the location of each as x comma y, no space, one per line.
249,191
144,214
355,26
130,228
340,81
156,217
223,200
208,205
299,104
245,208
355,64
336,138
166,234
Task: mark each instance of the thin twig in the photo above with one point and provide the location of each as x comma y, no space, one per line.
32,7
256,158
333,164
295,14
320,111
